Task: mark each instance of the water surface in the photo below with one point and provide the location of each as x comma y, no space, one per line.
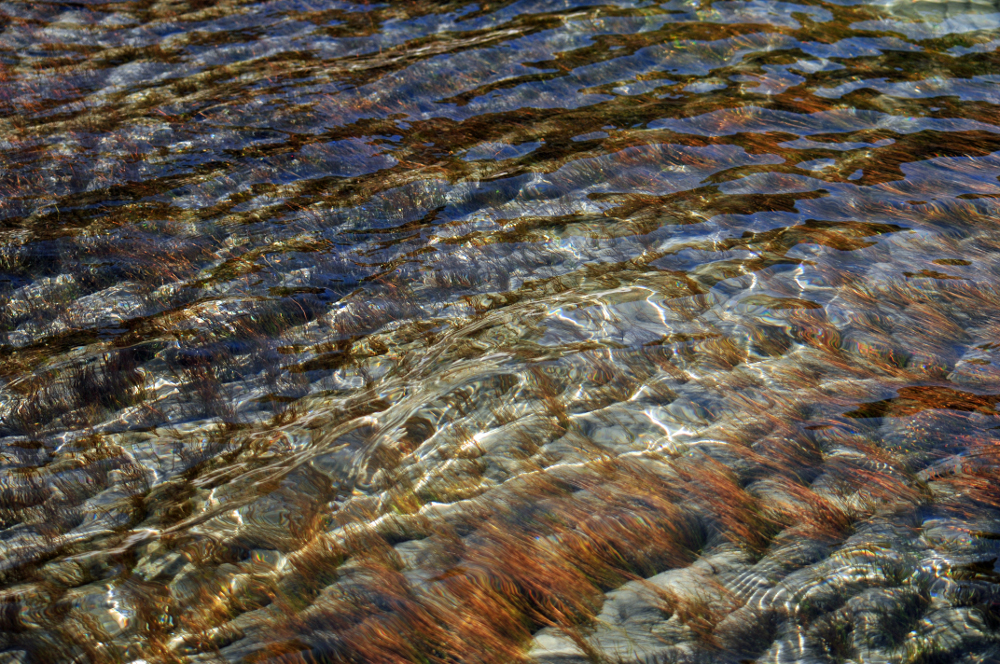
548,330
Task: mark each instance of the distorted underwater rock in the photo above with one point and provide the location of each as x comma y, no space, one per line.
553,331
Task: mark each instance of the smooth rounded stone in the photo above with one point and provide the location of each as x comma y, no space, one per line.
686,411
747,633
936,431
932,365
629,323
858,390
639,622
497,471
540,189
718,567
274,521
622,428
978,353
975,375
19,452
80,569
976,369
31,606
24,544
237,651
880,350
127,419
865,560
107,308
264,561
724,292
551,647
158,566
761,343
170,452
647,636
515,440
441,446
882,620
230,639
40,294
955,539
953,466
110,510
233,631
423,559
459,479
186,588
729,455
111,610
19,489
341,458
846,434
952,633
791,645
936,10
759,585
415,553
572,448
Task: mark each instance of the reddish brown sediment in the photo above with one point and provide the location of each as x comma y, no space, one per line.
550,332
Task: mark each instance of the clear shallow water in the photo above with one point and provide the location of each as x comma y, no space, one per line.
442,332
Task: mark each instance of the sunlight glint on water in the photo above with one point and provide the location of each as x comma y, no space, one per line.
550,330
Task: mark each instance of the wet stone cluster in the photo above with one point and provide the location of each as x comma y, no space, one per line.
551,331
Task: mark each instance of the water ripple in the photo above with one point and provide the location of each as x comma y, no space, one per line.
546,330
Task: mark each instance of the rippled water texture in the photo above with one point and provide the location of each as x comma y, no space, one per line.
549,330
